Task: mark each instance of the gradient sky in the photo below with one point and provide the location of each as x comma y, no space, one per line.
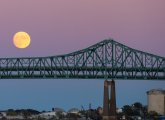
63,26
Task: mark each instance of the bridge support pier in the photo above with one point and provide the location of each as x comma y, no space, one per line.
109,105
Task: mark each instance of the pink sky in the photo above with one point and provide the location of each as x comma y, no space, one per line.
62,26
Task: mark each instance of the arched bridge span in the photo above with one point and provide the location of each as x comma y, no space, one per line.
106,59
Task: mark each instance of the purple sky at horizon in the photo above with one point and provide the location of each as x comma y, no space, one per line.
60,26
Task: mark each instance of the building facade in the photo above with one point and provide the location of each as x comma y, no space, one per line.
156,101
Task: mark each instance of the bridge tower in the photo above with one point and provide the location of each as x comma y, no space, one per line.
109,105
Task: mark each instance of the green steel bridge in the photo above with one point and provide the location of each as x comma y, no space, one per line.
107,59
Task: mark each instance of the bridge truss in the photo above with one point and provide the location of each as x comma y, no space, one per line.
106,59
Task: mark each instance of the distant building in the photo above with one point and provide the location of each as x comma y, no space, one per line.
100,110
74,111
119,110
58,110
47,115
156,101
54,114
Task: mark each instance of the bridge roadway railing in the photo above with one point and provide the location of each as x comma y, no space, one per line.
107,59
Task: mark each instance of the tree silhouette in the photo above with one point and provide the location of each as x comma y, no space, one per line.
127,110
137,105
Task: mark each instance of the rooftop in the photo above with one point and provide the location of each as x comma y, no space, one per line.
156,91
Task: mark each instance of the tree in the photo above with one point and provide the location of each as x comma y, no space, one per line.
127,110
137,105
11,112
152,114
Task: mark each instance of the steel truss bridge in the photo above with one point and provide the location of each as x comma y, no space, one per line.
107,59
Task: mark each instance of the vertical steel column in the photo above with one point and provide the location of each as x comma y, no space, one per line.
112,111
106,100
109,105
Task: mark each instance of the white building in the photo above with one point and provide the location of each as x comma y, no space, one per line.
47,115
51,114
156,101
74,111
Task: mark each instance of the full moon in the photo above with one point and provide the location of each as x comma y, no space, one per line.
21,39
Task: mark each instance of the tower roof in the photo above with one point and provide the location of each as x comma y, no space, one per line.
156,91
